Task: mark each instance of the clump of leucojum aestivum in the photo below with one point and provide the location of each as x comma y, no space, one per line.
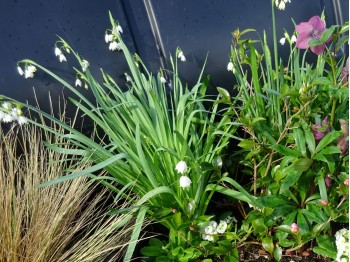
161,145
295,118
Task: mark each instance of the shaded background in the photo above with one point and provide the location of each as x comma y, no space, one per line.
152,28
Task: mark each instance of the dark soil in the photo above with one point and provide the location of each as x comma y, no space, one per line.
254,253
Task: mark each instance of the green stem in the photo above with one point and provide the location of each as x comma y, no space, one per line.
275,52
334,102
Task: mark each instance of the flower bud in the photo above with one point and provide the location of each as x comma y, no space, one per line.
324,202
320,130
174,210
294,228
328,181
346,182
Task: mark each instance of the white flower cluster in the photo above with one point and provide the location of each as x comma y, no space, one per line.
60,54
112,39
213,228
281,5
342,243
291,40
8,114
28,71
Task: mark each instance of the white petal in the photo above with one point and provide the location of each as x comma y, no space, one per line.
230,66
78,82
181,167
282,41
58,51
119,29
62,58
185,181
293,39
20,70
22,120
162,80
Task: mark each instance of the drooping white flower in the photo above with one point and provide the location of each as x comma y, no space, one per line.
84,65
6,105
219,162
108,38
29,71
282,40
230,66
20,70
221,228
293,39
181,167
62,58
181,56
78,82
7,118
185,181
86,86
58,51
119,29
282,5
114,46
162,80
22,120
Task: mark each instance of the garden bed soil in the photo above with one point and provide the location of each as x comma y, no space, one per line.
254,253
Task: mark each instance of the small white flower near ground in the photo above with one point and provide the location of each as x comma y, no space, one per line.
185,181
6,105
282,5
20,70
78,82
190,206
162,80
221,228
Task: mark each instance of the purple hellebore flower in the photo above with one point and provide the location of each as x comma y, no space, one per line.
311,30
319,131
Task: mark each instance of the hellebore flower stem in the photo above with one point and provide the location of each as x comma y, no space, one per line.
334,102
